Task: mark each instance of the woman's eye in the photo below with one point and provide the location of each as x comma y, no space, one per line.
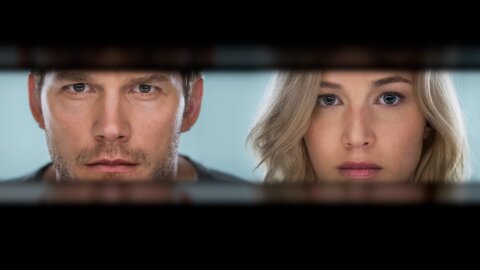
328,100
390,99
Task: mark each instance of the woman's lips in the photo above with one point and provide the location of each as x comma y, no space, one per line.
359,170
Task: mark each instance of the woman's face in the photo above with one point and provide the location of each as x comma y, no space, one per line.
366,126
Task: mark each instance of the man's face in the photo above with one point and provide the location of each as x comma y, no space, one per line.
112,125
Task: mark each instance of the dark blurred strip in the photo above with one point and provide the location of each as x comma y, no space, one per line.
237,57
145,192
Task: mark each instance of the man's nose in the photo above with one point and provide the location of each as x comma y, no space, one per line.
111,122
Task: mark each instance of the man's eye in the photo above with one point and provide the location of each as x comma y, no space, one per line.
78,87
144,88
328,100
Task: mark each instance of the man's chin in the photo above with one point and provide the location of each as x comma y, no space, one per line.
112,177
98,173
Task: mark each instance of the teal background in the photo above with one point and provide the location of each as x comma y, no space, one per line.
230,102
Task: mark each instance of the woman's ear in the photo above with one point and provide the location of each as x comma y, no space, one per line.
427,131
194,103
34,100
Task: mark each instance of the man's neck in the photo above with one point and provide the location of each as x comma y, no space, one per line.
186,172
50,175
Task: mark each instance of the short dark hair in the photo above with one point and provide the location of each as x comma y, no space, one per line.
188,77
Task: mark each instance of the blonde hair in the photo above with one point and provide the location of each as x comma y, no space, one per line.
277,135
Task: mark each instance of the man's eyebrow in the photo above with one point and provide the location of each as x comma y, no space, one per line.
335,86
71,76
391,79
157,77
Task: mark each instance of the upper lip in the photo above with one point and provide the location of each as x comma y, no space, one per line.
111,162
362,165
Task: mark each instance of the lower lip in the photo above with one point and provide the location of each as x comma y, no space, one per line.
112,169
359,173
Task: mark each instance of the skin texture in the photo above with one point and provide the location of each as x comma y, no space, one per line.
112,125
366,126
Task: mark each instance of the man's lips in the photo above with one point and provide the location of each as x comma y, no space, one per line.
112,166
359,170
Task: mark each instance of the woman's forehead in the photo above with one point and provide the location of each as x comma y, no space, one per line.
365,75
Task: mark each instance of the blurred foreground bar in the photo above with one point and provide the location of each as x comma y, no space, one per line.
226,57
156,193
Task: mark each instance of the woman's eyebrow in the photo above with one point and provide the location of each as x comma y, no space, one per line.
334,86
391,79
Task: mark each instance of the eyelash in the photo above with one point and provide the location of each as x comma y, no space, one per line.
400,98
70,88
152,92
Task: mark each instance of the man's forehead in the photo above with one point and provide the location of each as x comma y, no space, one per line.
81,75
